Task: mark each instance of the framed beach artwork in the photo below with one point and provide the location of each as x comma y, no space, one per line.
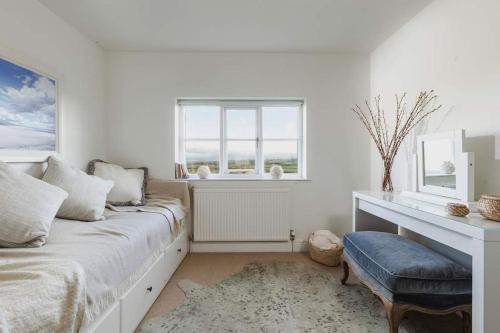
28,114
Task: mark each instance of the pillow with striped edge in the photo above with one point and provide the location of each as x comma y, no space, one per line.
129,183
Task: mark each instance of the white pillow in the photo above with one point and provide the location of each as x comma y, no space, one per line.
87,194
130,184
27,208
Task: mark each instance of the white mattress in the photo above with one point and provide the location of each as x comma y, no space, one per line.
113,253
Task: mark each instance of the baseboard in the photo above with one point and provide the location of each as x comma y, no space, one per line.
298,246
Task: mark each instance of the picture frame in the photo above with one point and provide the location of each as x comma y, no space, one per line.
29,113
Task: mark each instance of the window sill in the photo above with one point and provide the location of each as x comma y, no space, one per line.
251,179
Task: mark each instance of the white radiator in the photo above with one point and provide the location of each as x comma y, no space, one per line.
241,214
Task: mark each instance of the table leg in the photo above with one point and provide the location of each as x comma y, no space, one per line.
485,287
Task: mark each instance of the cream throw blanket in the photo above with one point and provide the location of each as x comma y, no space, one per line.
170,199
50,295
41,291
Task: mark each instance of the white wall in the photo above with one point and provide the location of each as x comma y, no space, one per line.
142,89
453,47
32,35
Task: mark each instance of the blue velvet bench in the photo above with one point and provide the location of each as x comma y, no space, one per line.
407,276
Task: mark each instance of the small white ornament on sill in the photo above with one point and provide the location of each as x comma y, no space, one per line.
203,171
276,171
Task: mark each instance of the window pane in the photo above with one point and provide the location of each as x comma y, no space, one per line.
283,153
280,122
202,153
241,123
241,157
202,122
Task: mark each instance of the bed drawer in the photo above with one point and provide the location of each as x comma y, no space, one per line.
136,302
175,253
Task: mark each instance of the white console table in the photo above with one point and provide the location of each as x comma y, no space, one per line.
471,239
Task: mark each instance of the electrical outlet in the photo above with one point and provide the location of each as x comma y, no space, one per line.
292,234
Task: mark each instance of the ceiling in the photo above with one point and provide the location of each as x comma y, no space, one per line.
237,25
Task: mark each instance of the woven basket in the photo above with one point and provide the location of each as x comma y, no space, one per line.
489,207
327,256
457,209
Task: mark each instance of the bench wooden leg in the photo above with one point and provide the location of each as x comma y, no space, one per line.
394,314
345,266
466,321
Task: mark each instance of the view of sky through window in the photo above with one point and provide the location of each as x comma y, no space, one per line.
241,123
240,149
280,122
202,122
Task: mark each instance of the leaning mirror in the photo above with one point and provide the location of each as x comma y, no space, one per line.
438,158
443,168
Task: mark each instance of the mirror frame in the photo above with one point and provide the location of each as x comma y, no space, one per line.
464,168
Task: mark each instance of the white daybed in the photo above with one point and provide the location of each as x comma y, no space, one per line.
123,261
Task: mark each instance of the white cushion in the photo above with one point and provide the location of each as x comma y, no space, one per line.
27,208
87,194
324,240
129,184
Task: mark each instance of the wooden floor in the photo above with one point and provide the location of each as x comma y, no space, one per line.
210,268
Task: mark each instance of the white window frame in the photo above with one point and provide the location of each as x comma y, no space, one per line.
257,105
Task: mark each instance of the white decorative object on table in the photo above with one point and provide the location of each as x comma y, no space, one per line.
203,171
448,167
276,171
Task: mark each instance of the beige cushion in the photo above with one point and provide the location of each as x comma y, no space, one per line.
129,184
87,194
27,208
324,240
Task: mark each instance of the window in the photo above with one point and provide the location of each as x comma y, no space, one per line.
238,138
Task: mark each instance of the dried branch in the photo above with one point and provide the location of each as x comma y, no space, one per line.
388,140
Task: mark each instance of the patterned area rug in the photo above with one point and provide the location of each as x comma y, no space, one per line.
280,297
